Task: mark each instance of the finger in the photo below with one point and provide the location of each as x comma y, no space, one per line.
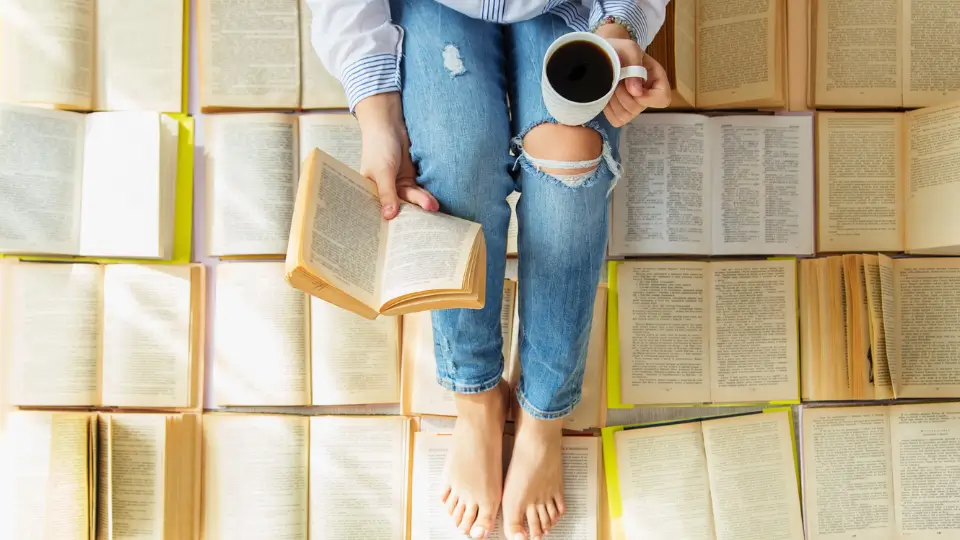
386,188
418,196
628,102
656,98
616,114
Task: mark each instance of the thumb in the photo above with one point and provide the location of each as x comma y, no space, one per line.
387,191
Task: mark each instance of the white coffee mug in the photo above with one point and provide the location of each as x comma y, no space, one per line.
573,113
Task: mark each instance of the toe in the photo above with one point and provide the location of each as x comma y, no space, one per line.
533,523
561,508
545,522
484,523
451,503
458,514
513,523
553,513
468,518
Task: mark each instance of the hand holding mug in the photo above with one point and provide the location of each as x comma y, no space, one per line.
634,95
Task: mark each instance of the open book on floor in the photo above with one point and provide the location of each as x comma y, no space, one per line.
710,479
581,489
300,478
88,476
879,328
343,251
888,181
723,185
689,332
274,345
87,335
422,395
885,55
105,185
719,54
103,55
257,54
252,164
881,472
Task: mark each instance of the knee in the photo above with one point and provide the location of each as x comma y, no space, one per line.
563,150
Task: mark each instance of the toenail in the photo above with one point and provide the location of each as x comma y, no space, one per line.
478,532
519,536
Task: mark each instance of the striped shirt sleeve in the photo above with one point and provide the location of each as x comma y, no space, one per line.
358,44
642,18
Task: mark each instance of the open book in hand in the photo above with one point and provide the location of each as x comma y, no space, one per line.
342,250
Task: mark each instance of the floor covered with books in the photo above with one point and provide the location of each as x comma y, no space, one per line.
203,335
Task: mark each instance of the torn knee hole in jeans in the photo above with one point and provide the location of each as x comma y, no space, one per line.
581,171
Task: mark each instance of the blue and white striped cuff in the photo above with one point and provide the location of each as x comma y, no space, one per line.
370,75
627,13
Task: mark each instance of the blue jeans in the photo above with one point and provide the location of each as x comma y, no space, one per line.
457,73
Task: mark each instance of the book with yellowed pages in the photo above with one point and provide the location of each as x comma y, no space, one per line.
305,478
95,54
704,479
881,472
582,477
690,332
342,250
88,476
319,354
721,54
879,328
252,165
722,185
887,54
257,54
888,182
87,335
421,395
98,185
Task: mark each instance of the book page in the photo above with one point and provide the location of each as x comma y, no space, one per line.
249,54
426,251
41,168
753,336
45,476
931,52
51,337
664,353
337,134
891,314
139,55
320,89
685,46
358,479
428,518
858,53
421,392
848,477
137,476
663,483
48,54
926,469
255,474
661,203
123,206
252,166
762,168
147,336
738,56
345,237
353,360
798,55
859,166
753,477
927,331
260,324
581,489
933,182
878,340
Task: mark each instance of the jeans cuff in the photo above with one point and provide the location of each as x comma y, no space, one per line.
464,388
545,415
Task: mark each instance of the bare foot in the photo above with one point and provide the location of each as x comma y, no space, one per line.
534,485
475,469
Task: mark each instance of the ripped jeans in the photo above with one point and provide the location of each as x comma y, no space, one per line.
457,73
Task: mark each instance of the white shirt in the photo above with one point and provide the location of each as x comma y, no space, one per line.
359,44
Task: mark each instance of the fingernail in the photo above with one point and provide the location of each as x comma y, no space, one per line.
388,209
477,532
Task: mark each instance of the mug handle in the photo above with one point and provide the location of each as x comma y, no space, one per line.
633,71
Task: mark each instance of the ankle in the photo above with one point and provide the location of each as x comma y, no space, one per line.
540,428
485,403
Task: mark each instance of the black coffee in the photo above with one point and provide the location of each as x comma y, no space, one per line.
580,71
